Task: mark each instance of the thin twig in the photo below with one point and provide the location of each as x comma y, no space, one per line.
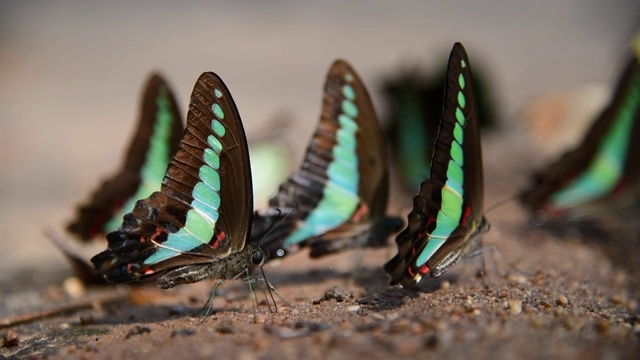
58,310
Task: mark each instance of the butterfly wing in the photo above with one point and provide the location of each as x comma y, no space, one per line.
605,164
203,210
414,117
156,139
343,183
447,215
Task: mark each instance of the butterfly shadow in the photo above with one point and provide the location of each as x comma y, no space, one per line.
288,277
144,302
161,313
381,296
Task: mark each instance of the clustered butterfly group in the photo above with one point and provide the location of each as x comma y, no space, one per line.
181,209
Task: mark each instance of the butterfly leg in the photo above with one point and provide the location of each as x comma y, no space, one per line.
206,310
251,292
272,288
482,272
505,258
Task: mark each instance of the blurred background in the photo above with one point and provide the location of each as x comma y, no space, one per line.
71,74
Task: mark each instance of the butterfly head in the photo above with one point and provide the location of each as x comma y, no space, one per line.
258,257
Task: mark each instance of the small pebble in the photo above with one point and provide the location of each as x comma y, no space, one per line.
74,287
337,294
226,327
516,279
10,339
545,304
515,307
602,326
86,319
617,299
354,308
137,330
562,300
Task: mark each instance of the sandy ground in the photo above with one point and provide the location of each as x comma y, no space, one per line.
70,78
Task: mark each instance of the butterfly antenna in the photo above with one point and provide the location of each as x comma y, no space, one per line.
501,202
273,225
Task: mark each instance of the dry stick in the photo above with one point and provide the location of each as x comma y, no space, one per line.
43,314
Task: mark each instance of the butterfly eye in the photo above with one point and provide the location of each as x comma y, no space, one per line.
257,257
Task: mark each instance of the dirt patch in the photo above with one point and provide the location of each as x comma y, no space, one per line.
571,303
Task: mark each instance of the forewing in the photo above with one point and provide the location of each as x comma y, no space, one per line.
449,206
204,208
156,139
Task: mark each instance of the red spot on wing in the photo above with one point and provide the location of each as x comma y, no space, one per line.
157,233
145,238
221,235
148,271
424,269
430,221
466,216
410,271
361,212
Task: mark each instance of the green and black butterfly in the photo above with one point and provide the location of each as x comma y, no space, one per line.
338,198
447,219
603,172
195,227
156,139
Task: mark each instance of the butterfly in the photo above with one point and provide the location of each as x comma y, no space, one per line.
447,219
603,172
156,139
338,197
195,226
